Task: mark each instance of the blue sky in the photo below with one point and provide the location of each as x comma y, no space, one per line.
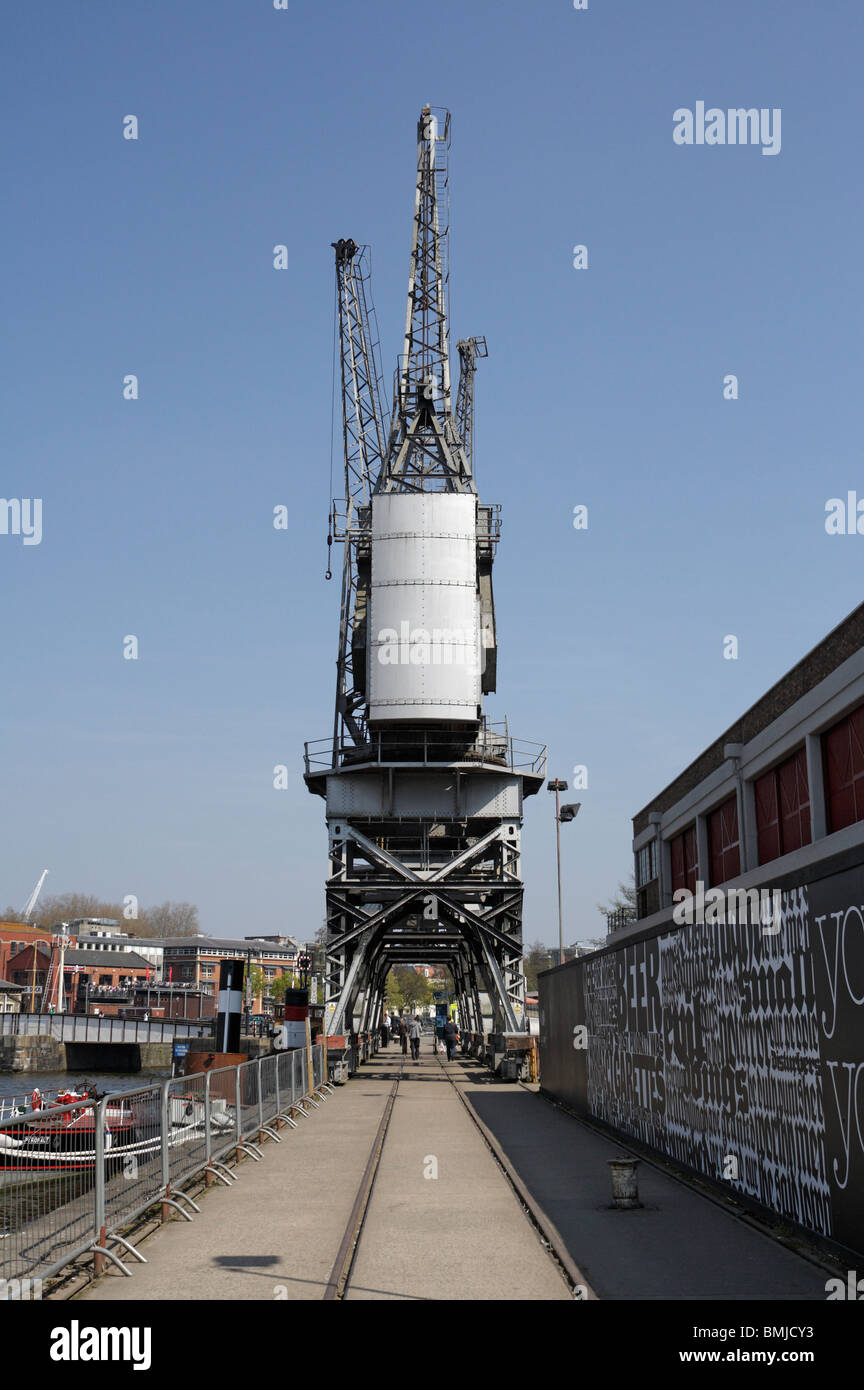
602,387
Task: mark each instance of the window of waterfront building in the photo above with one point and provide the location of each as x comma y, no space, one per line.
783,808
843,754
684,858
646,864
723,842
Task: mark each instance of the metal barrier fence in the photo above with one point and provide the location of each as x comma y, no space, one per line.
72,1177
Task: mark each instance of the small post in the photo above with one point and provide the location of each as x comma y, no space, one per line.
625,1182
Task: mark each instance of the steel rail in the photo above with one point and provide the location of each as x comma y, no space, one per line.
550,1237
341,1271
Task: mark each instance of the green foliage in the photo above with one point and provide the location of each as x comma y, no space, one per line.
405,989
287,980
258,981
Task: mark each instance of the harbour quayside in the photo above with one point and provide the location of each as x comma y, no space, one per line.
50,1139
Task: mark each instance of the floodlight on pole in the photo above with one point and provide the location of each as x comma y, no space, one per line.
557,786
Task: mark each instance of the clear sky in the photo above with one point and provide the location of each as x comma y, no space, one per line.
603,387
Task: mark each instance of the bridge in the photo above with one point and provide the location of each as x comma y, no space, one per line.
80,1028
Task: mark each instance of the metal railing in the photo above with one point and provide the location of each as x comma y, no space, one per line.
490,745
84,1028
73,1177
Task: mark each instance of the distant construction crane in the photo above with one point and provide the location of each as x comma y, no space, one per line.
423,796
30,905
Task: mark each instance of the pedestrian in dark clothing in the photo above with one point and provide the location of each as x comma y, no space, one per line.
414,1031
403,1034
451,1037
385,1031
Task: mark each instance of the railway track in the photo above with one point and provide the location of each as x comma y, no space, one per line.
340,1280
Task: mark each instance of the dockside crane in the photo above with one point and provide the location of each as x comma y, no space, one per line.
424,796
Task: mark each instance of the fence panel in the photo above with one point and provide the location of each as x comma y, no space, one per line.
248,1074
46,1188
221,1097
133,1151
68,1171
267,1089
300,1072
319,1071
187,1126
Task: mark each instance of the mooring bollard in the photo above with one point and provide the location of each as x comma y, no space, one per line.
625,1183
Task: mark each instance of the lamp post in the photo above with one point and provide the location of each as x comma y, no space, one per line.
562,814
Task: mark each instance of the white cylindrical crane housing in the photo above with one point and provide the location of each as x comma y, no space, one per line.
425,650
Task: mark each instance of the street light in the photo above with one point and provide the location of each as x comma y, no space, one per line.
562,814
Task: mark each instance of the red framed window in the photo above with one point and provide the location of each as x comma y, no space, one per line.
783,808
684,860
723,842
843,759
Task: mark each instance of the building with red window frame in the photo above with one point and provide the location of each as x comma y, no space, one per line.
777,801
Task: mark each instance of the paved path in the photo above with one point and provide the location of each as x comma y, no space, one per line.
460,1234
276,1233
681,1245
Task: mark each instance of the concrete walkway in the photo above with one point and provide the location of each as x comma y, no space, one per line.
680,1245
442,1221
276,1233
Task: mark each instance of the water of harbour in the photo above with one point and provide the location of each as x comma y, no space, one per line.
22,1084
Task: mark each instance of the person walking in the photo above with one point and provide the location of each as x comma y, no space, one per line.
403,1034
451,1037
385,1030
414,1032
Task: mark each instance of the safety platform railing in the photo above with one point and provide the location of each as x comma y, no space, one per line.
491,746
74,1177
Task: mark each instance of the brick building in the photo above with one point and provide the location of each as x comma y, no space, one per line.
103,981
777,800
195,961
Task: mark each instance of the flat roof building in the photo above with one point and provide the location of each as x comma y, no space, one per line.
776,801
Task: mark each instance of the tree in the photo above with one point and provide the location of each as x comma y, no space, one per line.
623,901
170,919
536,959
167,919
416,989
283,982
258,981
392,991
